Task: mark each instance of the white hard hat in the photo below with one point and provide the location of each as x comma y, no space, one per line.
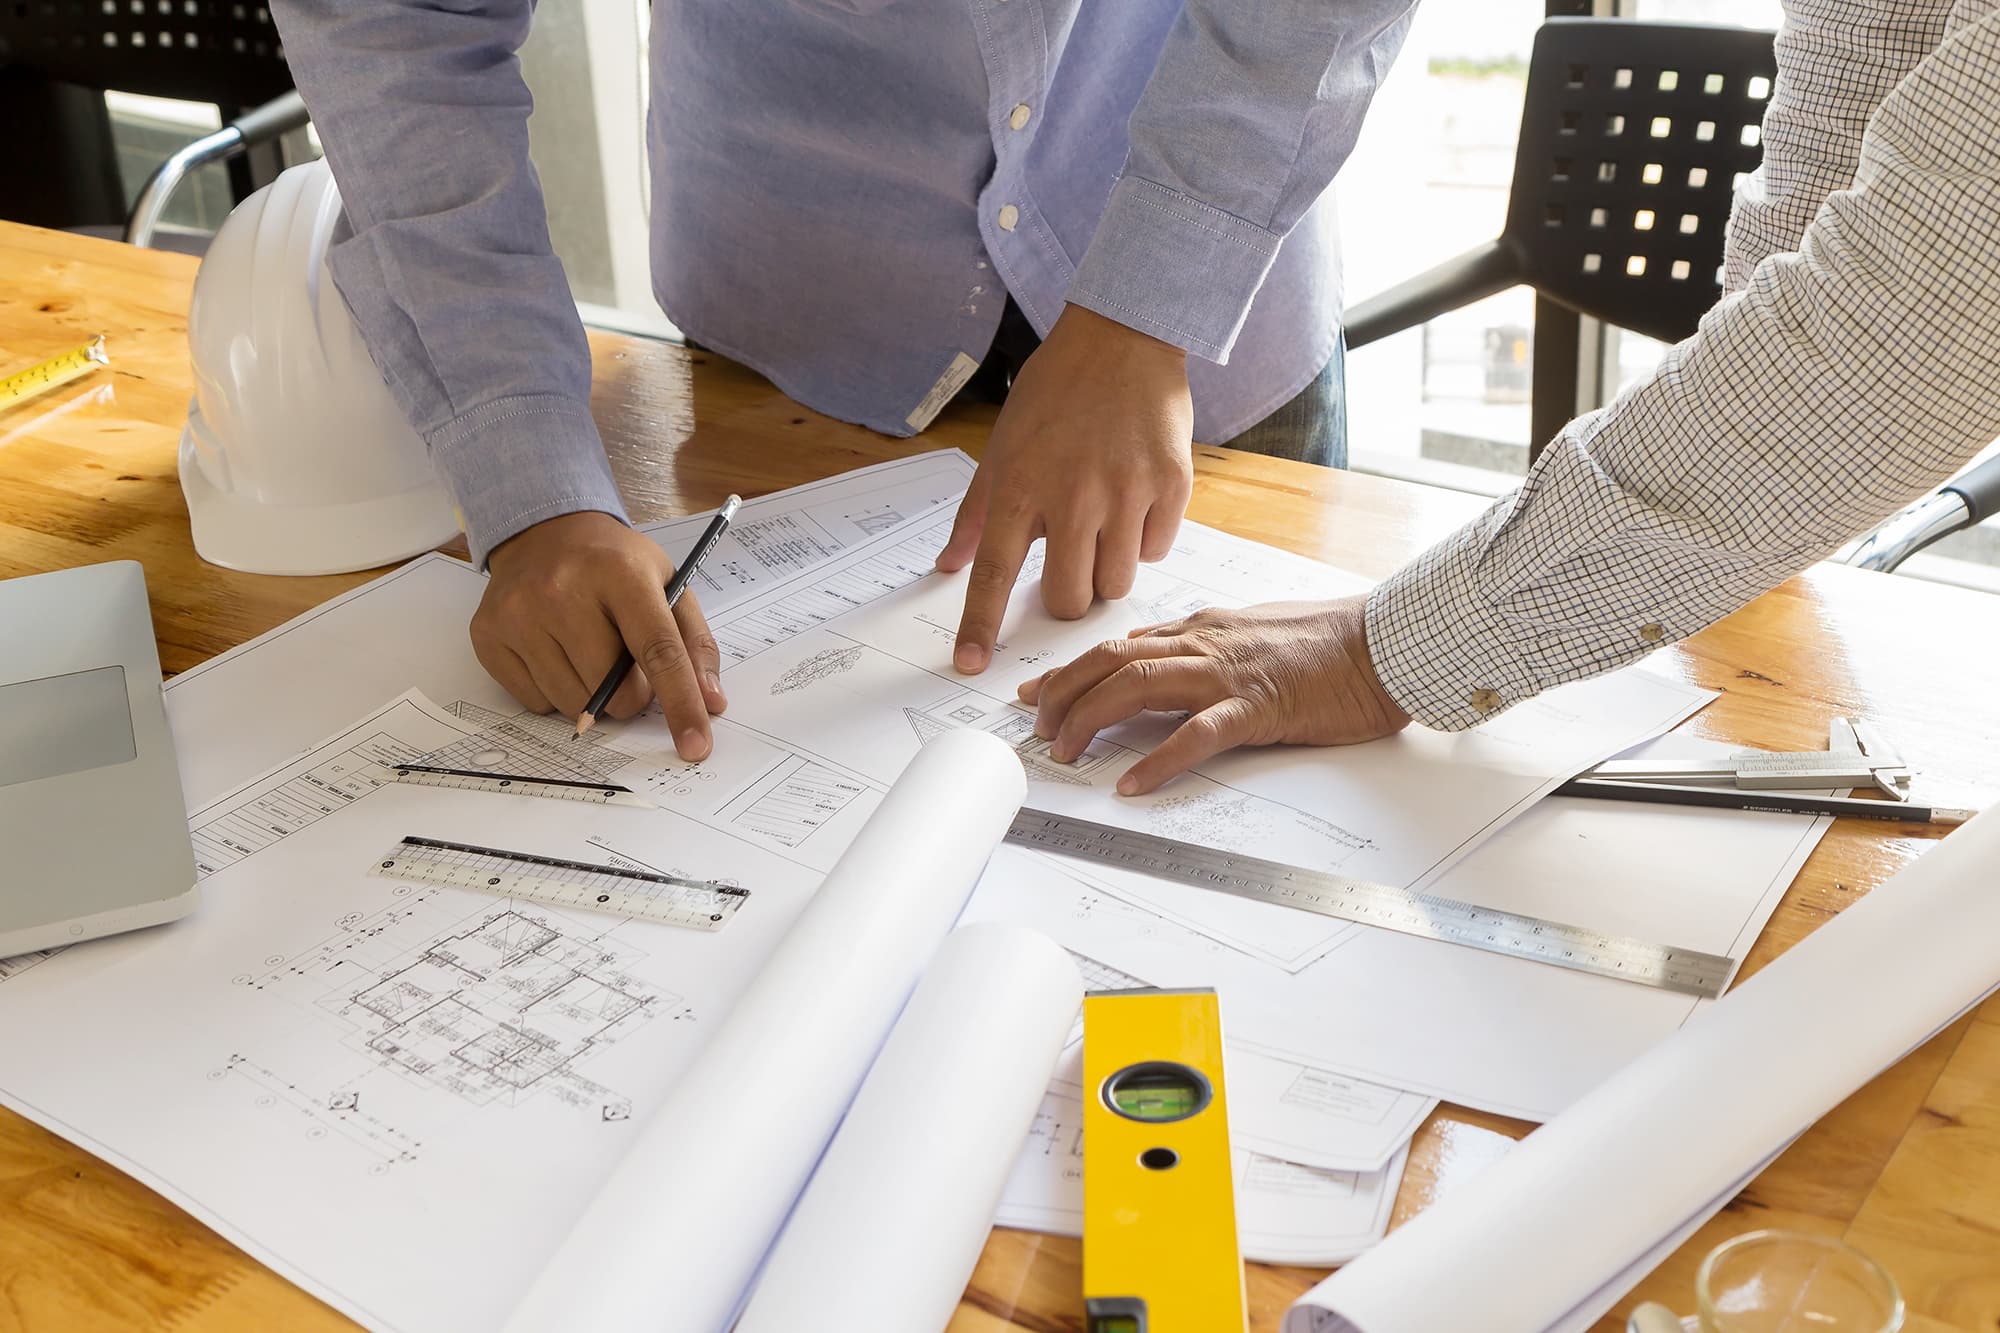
295,459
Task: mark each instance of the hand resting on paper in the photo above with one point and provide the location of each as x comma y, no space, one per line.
563,594
1294,673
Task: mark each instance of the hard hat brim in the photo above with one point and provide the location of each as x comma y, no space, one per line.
258,538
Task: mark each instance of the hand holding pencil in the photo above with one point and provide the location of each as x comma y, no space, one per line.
568,596
675,587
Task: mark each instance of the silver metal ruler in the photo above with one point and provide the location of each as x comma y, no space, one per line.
693,903
1421,914
560,789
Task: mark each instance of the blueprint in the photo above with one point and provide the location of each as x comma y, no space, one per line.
447,1074
407,629
441,1072
847,670
1475,1028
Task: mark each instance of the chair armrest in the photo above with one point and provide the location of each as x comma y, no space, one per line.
258,125
1979,487
1469,277
1966,499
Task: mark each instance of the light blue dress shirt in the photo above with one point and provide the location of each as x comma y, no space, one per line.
843,197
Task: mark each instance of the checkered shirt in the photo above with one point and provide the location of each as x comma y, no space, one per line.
1851,366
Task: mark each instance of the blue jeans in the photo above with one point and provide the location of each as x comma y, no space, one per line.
1312,427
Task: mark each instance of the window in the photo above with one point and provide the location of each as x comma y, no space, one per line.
1448,402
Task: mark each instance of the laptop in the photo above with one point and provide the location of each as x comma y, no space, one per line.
93,830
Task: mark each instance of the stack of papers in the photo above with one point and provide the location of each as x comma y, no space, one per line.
382,1048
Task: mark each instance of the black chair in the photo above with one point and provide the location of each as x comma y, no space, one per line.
1632,137
58,57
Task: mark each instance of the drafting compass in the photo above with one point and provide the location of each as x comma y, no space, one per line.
1856,756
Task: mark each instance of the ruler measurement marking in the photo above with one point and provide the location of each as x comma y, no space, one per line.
1425,915
669,899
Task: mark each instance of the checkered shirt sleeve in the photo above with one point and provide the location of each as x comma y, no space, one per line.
1850,376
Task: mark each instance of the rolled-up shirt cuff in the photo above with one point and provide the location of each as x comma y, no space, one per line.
513,462
1173,267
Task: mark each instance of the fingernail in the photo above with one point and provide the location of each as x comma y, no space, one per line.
1043,731
711,682
691,745
969,658
1127,785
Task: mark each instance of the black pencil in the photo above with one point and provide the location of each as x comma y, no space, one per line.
675,587
1722,798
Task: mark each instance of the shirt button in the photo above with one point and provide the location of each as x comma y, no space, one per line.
1652,633
1019,120
1009,215
1484,700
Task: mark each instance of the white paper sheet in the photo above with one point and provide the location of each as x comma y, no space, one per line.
222,1085
887,1233
1317,1157
1483,1030
1285,1213
781,1070
1281,1108
1548,1237
239,713
396,1095
850,667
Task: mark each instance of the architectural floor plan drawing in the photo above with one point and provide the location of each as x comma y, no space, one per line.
406,630
452,1075
444,1072
800,529
512,1004
527,745
848,669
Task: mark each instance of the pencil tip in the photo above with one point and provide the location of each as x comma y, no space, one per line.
584,722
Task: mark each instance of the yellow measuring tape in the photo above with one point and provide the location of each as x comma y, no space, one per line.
54,372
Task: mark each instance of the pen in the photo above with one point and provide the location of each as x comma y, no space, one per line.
1770,802
675,587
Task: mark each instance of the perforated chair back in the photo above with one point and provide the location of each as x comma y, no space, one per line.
1633,136
218,51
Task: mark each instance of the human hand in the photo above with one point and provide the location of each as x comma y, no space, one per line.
1294,673
564,594
1093,451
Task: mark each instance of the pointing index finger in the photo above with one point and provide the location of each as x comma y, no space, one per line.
994,569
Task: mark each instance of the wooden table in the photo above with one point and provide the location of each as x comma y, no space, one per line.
1909,1168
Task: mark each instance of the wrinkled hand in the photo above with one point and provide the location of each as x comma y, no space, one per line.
1093,451
562,596
1294,673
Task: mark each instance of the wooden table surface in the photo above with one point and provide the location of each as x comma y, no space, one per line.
1909,1168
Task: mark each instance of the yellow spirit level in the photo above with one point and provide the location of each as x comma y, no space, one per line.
1159,1206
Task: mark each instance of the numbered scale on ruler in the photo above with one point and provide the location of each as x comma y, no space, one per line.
693,903
1427,916
53,373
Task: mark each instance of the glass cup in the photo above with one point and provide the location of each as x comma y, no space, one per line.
1794,1282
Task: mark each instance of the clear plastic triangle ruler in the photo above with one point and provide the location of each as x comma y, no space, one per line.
556,882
